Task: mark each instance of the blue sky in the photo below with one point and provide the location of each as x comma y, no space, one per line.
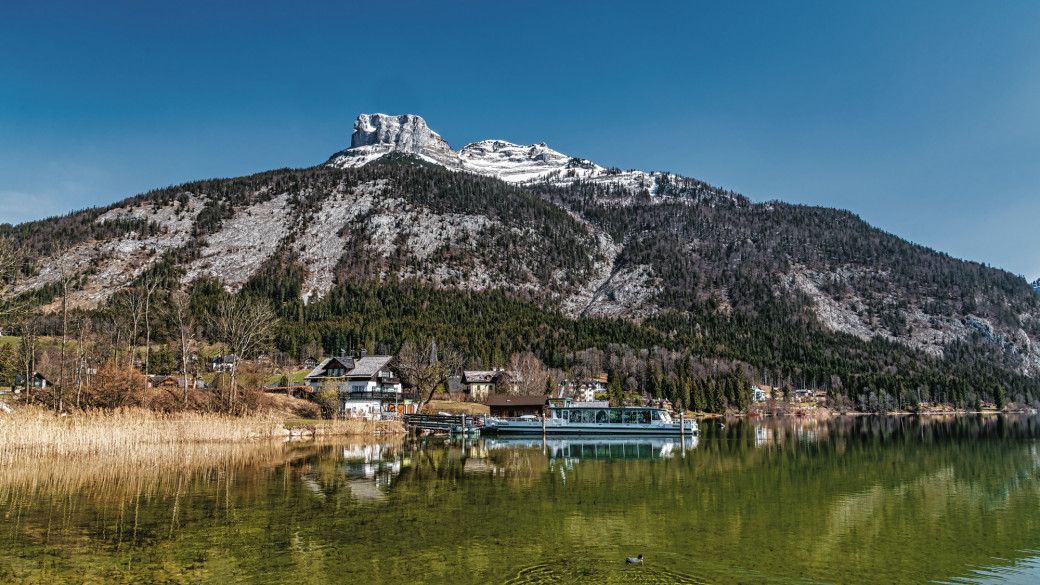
922,117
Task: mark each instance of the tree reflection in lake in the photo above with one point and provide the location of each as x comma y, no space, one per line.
849,500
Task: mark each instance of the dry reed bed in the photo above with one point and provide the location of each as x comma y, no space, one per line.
37,432
123,453
152,469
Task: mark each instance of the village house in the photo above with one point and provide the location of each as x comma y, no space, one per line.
38,381
162,382
584,390
222,363
480,384
366,385
174,382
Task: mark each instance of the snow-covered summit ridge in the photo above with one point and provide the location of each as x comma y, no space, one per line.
378,134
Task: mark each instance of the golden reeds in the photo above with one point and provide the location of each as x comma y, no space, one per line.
134,448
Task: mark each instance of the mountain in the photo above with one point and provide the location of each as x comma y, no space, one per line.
790,287
1036,285
377,135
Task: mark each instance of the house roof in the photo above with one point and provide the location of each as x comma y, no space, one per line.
356,368
369,366
521,400
346,363
471,376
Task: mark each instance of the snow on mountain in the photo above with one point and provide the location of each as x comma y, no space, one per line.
378,134
1036,285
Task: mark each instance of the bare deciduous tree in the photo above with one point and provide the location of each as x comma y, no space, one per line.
149,289
181,308
66,276
527,373
27,352
131,302
424,366
243,325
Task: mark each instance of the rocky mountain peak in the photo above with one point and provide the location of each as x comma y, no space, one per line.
1036,285
406,133
378,134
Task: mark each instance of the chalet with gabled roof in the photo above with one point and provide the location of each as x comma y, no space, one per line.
367,386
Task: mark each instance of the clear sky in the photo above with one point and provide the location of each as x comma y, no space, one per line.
921,117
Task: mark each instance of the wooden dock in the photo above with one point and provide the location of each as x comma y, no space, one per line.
441,423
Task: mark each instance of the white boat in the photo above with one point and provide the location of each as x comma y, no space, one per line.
593,420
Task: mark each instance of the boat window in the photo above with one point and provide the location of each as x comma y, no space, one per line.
575,416
655,415
601,416
589,416
643,416
615,415
626,416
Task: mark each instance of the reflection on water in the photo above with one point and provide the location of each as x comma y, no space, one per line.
601,447
846,500
1024,571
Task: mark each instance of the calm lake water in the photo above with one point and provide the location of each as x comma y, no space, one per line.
849,500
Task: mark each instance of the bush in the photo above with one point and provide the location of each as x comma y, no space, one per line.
327,399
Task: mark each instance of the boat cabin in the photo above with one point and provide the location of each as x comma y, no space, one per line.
612,415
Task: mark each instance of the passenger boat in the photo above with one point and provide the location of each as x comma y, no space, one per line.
593,420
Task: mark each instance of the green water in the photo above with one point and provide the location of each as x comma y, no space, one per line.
863,500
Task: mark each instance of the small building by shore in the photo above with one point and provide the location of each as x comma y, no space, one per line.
511,406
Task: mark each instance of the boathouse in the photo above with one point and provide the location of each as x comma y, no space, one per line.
506,405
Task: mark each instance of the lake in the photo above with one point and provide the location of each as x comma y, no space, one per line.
845,500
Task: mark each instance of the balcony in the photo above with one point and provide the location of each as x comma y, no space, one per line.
382,396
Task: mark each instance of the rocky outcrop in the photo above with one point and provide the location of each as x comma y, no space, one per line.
378,134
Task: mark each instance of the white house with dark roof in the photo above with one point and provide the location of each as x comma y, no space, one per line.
367,385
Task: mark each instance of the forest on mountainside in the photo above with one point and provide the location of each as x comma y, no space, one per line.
719,259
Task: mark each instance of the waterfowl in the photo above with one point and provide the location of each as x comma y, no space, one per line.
638,559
